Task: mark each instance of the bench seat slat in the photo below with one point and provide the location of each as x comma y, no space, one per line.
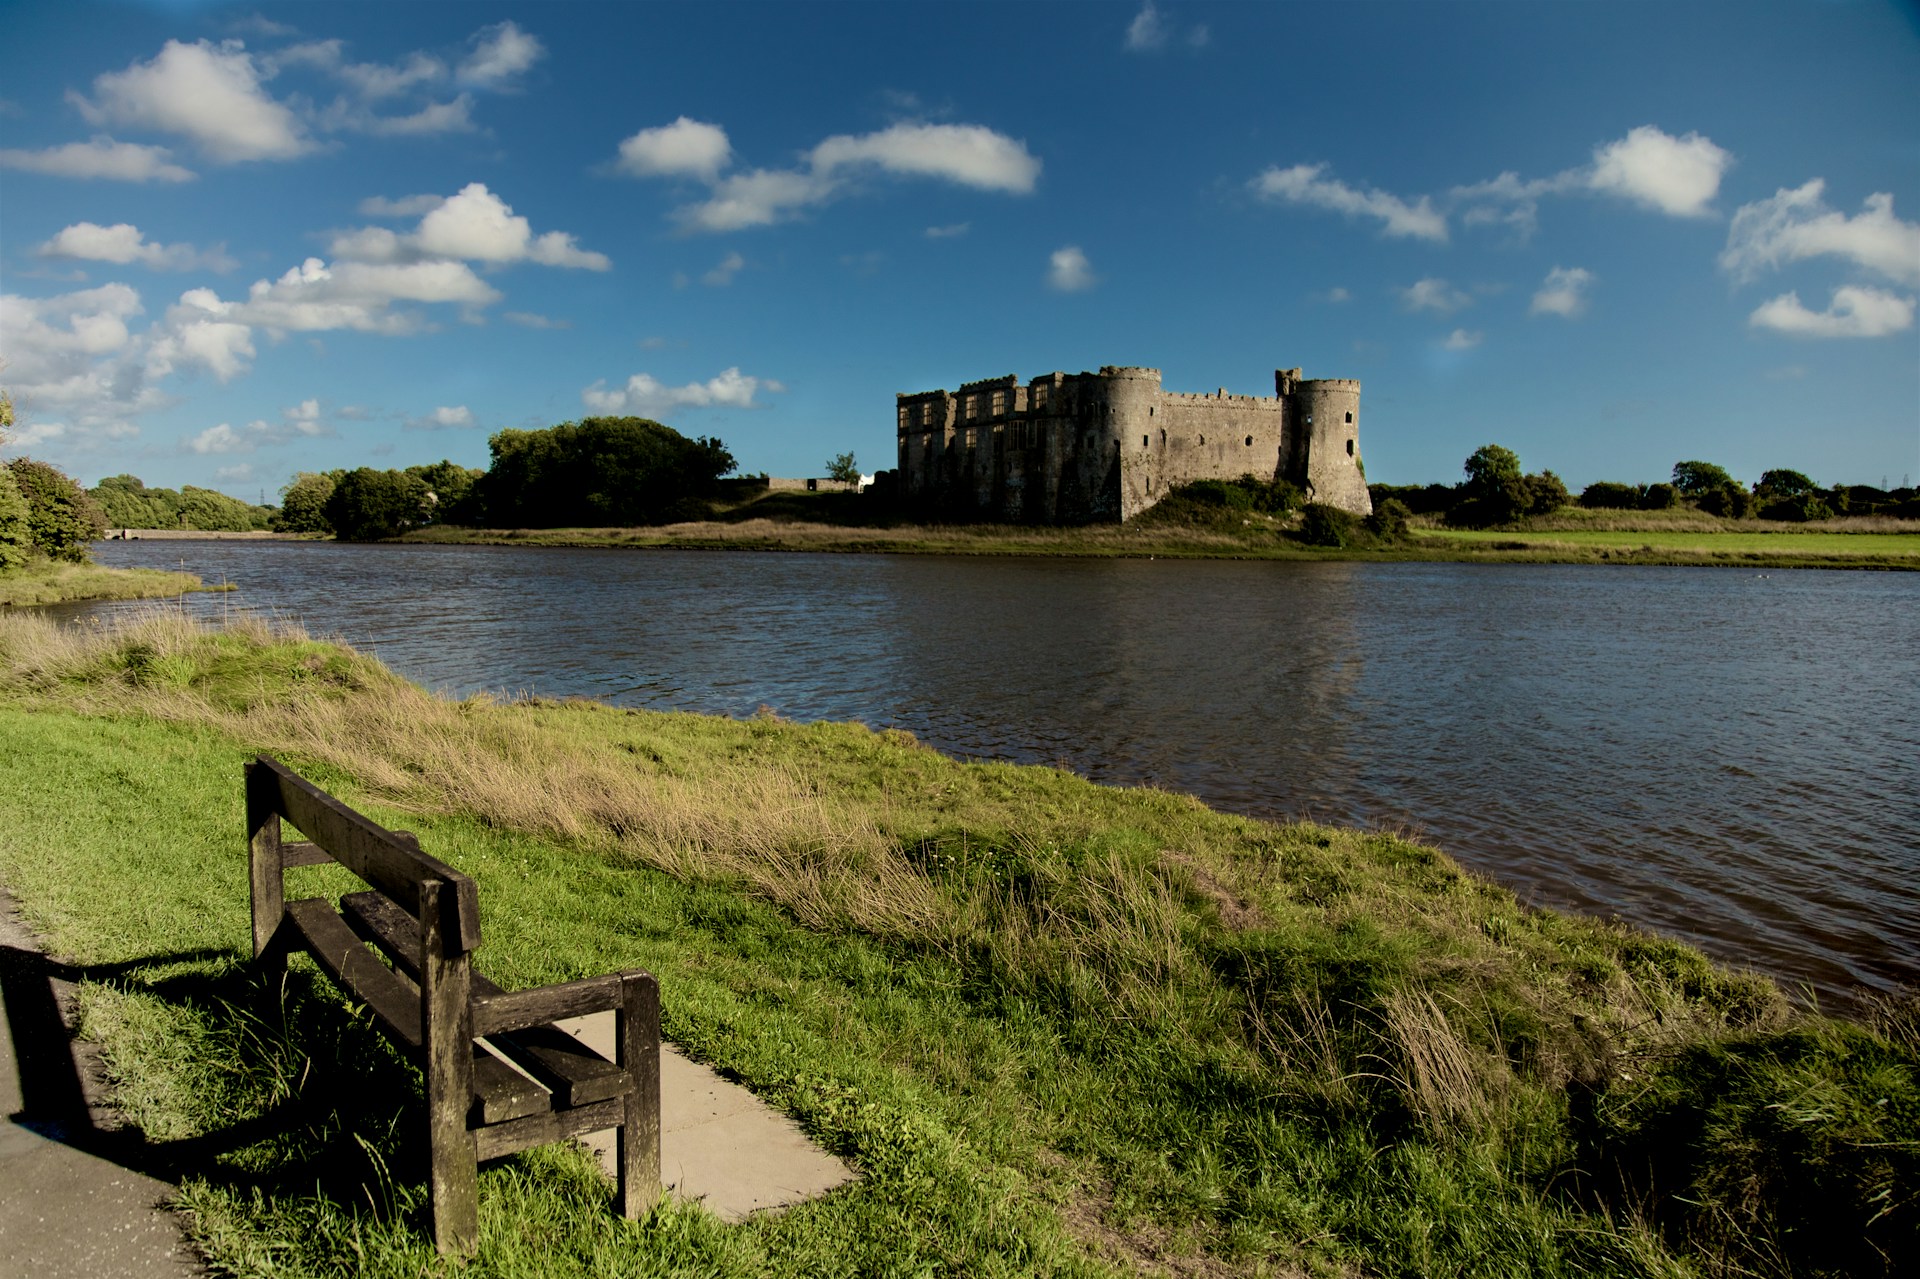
501,1093
348,961
538,1130
303,853
502,1010
572,1071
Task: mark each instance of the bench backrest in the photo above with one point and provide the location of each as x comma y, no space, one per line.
388,861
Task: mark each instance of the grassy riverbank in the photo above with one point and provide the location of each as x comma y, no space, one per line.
1060,1028
53,582
839,522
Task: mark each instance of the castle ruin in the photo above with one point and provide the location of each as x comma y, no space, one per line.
1085,448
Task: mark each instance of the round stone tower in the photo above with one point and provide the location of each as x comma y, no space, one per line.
1327,414
1131,398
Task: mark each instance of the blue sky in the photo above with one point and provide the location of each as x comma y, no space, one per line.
240,242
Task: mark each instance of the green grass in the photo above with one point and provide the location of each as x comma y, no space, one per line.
1059,1028
52,582
1791,539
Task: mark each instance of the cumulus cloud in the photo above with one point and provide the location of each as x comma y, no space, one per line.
74,366
1304,184
472,225
685,148
529,320
1677,176
950,231
1337,294
1855,312
407,206
500,55
1796,224
301,421
100,158
1150,31
239,474
457,417
209,93
1434,294
220,439
1069,271
122,244
964,154
723,273
452,116
1563,293
646,396
1462,340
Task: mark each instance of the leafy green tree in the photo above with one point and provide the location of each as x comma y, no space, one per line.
16,543
303,504
368,505
1694,479
126,502
1790,495
1732,502
1607,495
1546,493
1777,484
1660,497
844,470
1388,522
1495,491
450,489
599,471
62,520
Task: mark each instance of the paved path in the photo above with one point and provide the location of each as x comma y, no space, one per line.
69,1212
65,1213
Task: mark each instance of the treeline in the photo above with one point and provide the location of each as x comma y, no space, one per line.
45,514
1496,492
125,502
600,471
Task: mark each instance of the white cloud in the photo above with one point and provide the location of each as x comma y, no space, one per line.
965,154
220,439
1462,340
529,320
454,116
1854,313
203,91
100,158
1338,294
474,225
123,243
647,396
1069,271
1796,224
501,54
1434,294
1678,176
407,206
949,231
456,417
685,148
722,274
1303,184
968,154
1148,30
302,420
234,474
1563,293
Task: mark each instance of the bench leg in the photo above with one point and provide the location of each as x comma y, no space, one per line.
638,1046
447,1017
266,872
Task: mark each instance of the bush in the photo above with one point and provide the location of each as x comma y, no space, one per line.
1420,499
1329,526
1732,502
1606,495
1798,509
1660,497
1221,503
1388,523
62,520
1546,493
1696,479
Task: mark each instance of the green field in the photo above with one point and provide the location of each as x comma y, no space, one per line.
1794,540
1059,1028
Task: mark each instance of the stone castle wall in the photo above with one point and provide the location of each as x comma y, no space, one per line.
1100,447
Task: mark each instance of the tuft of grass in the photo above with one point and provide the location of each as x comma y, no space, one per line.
57,582
1059,1027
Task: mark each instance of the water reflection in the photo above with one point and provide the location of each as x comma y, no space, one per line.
1728,757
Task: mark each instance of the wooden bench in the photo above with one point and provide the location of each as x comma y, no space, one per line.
422,917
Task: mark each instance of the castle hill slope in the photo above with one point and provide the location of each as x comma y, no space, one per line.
843,522
1059,1028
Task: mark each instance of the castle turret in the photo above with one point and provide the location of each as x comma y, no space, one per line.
1130,396
1326,413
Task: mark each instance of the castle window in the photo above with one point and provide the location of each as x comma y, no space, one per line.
1349,448
903,417
926,441
973,408
1309,419
1349,415
973,437
999,403
1203,439
1249,441
1143,441
1040,395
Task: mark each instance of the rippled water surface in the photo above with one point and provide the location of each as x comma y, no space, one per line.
1731,757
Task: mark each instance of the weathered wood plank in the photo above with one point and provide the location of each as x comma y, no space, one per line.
446,1011
501,1093
266,885
637,1041
303,853
572,1070
519,1009
388,927
538,1130
390,863
347,960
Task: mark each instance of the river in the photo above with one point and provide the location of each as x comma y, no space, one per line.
1727,756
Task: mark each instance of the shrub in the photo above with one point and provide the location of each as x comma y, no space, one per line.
1329,526
1660,497
1798,509
1606,495
1546,493
1695,479
62,520
1733,502
1388,522
1421,499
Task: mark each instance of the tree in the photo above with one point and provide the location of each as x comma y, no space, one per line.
1782,483
62,520
844,470
1695,479
599,471
303,504
368,505
450,490
1495,491
1546,493
1608,495
16,543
